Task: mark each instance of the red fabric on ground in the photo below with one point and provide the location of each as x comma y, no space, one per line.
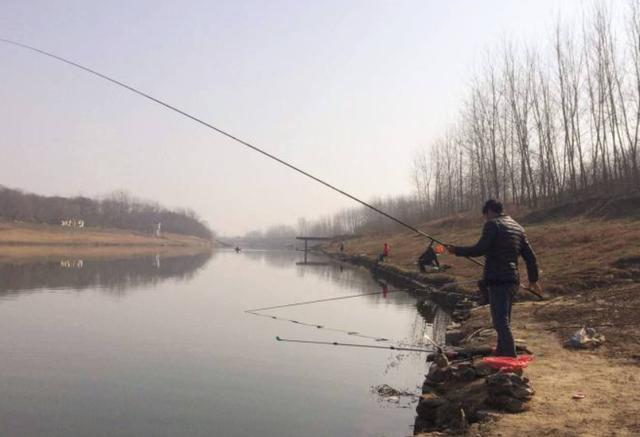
508,363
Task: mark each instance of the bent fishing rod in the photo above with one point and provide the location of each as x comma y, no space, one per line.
226,134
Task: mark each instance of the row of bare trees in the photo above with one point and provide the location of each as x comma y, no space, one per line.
116,210
539,126
348,222
361,220
543,126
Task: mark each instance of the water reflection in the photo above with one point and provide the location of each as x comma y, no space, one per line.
429,317
317,265
113,275
273,258
188,361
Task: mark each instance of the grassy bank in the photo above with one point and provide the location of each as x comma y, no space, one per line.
23,241
591,271
573,254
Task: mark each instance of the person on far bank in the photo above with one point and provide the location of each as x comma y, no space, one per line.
502,241
385,250
385,253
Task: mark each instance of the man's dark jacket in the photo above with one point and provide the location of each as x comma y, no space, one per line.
502,241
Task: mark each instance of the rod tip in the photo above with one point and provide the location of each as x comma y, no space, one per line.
278,338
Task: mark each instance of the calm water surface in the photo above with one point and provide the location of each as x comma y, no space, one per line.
161,346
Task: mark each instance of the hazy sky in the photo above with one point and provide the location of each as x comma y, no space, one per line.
348,90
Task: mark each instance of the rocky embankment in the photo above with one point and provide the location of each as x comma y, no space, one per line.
460,389
590,268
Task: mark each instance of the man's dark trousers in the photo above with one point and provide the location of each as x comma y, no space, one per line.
500,300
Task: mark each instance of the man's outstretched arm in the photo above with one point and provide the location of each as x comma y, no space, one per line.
481,248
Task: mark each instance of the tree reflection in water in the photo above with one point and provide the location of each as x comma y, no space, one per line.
112,275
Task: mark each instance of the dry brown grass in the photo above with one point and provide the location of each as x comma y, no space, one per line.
569,251
23,241
594,267
26,233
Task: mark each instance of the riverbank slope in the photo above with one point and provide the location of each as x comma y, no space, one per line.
591,270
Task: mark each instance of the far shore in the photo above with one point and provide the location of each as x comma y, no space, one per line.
22,242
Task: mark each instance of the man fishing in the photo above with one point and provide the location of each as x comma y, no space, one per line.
502,241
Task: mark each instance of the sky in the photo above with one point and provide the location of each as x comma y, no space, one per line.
347,90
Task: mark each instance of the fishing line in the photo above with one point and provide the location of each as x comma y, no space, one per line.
330,299
325,328
366,346
256,312
351,296
342,331
226,134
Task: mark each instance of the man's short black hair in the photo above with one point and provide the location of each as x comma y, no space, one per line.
492,205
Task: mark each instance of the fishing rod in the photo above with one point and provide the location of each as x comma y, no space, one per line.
591,325
351,296
366,346
226,134
330,299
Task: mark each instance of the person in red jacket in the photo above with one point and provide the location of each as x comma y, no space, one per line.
384,254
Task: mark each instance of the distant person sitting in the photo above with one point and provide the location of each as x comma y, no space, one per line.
429,258
428,261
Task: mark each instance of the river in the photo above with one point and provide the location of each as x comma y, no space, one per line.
162,346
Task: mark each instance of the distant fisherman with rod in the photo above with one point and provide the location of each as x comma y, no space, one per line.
502,241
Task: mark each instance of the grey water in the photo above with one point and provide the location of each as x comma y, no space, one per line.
161,346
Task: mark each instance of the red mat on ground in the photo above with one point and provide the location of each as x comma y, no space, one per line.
508,364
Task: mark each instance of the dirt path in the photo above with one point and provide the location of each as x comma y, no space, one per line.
611,387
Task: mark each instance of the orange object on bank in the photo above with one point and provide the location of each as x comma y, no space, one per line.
508,364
